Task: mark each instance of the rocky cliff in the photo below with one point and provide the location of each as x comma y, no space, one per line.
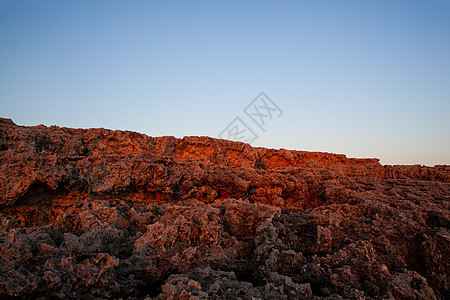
95,214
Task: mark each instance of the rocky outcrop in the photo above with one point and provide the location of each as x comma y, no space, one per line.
95,213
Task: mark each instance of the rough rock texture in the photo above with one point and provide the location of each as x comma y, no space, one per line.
95,214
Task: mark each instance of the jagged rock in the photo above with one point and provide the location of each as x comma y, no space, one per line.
95,214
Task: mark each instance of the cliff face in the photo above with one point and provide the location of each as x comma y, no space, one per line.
95,213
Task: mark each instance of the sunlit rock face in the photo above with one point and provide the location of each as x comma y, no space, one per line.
95,214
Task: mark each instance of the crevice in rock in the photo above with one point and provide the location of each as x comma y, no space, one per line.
259,164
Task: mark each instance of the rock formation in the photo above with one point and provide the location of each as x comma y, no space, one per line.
102,214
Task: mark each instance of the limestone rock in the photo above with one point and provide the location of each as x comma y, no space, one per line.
101,214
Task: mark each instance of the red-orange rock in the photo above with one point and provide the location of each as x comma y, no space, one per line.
95,213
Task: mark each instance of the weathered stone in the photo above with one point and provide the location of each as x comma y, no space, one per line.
95,214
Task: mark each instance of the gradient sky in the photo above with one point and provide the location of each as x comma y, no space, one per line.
363,78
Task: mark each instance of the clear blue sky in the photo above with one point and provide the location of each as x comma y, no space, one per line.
363,78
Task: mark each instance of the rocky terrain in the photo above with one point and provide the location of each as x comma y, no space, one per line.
101,214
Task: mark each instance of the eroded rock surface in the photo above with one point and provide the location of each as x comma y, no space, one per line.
95,214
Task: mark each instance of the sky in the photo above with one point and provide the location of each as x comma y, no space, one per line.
361,78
